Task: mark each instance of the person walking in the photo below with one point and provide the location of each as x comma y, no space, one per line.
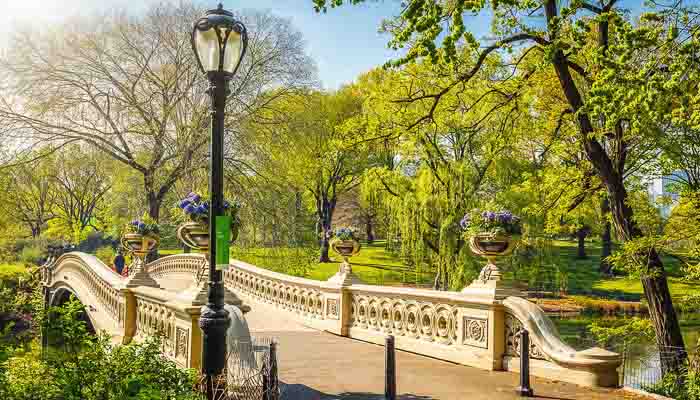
119,262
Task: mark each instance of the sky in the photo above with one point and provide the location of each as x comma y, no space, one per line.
344,42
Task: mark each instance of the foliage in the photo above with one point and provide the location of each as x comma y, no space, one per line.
491,223
145,226
86,367
105,254
308,143
623,332
31,254
196,208
345,233
683,384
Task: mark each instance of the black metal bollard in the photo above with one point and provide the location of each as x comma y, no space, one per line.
273,380
524,390
389,369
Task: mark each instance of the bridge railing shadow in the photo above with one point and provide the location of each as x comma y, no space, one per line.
303,392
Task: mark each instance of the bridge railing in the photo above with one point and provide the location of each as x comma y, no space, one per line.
468,328
128,312
473,327
99,285
157,313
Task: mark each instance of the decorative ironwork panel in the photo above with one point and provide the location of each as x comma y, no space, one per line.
513,326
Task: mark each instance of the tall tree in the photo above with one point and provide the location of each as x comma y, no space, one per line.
447,157
308,141
130,87
30,194
617,78
81,182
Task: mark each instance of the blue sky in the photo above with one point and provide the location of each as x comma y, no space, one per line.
344,42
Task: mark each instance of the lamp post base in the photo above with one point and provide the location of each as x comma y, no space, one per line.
214,322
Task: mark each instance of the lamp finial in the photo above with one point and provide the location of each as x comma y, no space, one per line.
221,6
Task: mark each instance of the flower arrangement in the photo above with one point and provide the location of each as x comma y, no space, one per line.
493,223
196,208
145,226
344,233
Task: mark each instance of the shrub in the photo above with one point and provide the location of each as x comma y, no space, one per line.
85,367
12,274
31,254
622,332
105,254
684,385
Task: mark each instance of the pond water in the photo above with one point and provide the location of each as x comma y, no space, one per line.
642,359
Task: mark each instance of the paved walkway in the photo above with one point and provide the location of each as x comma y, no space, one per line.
318,365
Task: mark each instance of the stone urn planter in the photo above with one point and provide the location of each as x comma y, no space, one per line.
195,235
346,249
485,244
138,244
491,246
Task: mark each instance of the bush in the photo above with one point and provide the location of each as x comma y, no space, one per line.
622,332
684,385
81,366
31,254
12,274
105,254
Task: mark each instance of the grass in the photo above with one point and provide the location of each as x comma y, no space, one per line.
375,265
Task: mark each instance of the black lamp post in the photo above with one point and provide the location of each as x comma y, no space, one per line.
219,42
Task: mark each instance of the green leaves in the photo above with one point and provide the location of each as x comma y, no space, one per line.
81,366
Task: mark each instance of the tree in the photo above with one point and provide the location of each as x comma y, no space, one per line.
30,194
306,138
618,79
81,184
130,87
447,162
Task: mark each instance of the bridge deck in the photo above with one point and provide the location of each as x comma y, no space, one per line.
319,365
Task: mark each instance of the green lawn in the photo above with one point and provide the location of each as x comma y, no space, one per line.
375,265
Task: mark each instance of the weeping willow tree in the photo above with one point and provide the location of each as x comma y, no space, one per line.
443,158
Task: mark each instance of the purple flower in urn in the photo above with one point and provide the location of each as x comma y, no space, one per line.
501,222
189,209
464,223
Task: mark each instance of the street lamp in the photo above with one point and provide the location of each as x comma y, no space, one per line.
219,42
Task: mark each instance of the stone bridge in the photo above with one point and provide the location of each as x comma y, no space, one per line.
475,327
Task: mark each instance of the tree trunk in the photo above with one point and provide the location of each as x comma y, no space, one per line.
436,282
581,234
667,329
605,239
369,230
327,207
663,316
154,203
